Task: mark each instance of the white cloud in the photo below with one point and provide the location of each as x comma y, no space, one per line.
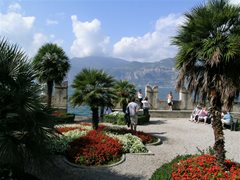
237,2
20,29
51,22
17,29
15,23
39,39
15,7
89,38
153,46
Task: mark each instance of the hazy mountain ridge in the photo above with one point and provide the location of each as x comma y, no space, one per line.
161,73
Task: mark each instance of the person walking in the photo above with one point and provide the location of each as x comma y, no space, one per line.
170,100
133,110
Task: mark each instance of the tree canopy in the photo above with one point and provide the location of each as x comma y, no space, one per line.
93,87
208,59
51,65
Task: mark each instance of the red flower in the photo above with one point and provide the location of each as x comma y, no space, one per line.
204,167
94,149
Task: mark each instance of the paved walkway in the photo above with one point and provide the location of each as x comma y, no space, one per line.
179,136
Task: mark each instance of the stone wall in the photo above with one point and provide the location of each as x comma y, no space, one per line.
60,99
184,102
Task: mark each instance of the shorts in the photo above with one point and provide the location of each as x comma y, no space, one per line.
134,120
170,103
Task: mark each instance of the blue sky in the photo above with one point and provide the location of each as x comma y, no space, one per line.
138,30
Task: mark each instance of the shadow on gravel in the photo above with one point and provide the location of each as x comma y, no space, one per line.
59,170
157,122
163,138
156,133
159,135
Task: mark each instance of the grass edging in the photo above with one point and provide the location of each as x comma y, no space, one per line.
165,171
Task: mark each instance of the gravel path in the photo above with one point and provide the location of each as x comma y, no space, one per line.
179,136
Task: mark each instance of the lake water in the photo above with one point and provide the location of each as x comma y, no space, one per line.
85,110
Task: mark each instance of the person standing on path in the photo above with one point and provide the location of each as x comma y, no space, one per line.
170,100
146,106
133,110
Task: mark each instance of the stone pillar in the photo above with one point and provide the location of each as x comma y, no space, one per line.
149,93
185,99
155,97
152,94
60,98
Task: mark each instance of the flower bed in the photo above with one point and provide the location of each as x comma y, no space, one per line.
84,146
196,167
204,167
94,149
146,138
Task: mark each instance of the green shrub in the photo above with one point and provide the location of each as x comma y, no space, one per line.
58,144
118,118
165,171
60,117
115,118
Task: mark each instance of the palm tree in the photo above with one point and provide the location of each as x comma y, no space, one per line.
124,91
22,136
208,60
94,88
51,65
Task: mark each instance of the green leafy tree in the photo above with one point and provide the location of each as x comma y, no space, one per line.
94,88
23,125
209,60
51,65
125,91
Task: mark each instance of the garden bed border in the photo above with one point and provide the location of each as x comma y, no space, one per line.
123,158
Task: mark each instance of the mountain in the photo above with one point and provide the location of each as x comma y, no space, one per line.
161,73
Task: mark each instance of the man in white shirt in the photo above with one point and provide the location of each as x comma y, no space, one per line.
146,106
133,109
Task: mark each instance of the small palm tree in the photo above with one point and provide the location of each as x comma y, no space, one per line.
208,60
125,91
22,136
51,65
94,88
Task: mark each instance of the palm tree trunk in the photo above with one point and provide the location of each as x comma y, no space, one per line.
95,119
101,112
49,93
219,137
218,147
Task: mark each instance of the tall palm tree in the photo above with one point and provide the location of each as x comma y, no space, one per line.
94,88
209,59
51,65
124,91
22,136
